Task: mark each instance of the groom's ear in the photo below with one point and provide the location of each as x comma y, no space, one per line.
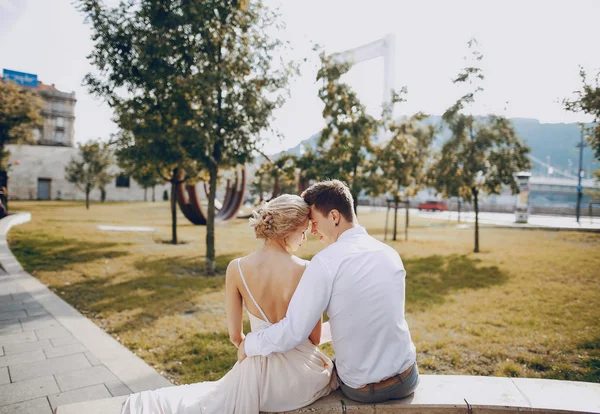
336,216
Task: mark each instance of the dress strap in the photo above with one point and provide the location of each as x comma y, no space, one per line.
250,293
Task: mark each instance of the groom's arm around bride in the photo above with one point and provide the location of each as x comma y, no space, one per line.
361,283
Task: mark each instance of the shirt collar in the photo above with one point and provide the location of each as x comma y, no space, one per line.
351,232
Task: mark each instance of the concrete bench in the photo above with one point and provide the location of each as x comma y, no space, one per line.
441,393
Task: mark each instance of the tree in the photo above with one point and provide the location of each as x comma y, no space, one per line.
399,165
481,155
588,102
347,136
199,79
20,115
90,170
147,178
277,177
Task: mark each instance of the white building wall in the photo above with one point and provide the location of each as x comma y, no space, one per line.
31,162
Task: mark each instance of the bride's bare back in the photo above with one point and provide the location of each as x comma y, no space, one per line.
272,277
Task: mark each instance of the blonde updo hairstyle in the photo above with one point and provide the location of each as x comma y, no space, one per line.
279,217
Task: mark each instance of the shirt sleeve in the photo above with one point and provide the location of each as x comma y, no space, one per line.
309,301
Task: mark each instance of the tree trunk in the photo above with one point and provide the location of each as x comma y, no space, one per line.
355,193
174,207
153,194
459,204
87,199
387,216
476,201
145,193
406,224
210,225
395,219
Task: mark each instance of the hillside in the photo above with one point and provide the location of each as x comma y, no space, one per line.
555,140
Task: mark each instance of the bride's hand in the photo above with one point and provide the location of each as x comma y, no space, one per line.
241,353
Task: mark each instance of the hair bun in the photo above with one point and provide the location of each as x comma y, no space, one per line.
280,216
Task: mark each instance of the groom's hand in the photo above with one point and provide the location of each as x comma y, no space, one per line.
241,354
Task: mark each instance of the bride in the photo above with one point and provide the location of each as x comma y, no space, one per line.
264,282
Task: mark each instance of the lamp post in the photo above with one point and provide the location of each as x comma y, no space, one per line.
579,188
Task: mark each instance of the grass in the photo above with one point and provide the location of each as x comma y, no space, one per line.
526,306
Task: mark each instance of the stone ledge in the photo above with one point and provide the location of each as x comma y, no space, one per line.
441,394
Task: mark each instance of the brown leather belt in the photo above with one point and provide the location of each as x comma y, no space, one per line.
387,382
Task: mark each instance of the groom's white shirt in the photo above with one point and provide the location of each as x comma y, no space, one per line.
361,283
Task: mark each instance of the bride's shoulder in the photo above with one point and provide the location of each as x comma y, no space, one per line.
233,264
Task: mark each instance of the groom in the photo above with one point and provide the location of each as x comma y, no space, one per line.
361,283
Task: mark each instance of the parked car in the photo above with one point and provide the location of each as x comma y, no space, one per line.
433,206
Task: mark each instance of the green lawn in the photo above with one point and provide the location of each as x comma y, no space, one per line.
526,306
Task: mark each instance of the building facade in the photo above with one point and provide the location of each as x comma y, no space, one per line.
37,172
59,117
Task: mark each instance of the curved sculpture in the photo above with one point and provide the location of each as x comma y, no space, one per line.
192,209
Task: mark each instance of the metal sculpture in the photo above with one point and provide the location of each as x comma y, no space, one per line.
192,208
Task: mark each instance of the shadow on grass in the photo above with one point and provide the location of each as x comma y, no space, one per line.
430,279
170,287
587,368
45,252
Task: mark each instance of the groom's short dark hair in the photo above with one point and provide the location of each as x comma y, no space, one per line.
329,195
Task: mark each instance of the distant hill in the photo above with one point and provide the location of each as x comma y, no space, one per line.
555,140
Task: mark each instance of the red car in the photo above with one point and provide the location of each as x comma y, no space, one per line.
433,206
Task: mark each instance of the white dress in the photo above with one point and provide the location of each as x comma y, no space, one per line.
278,382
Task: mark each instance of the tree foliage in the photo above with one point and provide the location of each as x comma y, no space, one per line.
399,165
194,83
89,169
347,136
588,101
481,155
20,115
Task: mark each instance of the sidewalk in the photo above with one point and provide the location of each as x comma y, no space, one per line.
51,355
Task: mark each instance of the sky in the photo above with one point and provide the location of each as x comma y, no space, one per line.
532,52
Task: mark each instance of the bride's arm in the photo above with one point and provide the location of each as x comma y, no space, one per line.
315,335
233,305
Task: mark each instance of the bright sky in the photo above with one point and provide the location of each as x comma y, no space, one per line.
532,50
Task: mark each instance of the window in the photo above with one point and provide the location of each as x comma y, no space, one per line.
122,180
59,135
58,106
37,134
59,122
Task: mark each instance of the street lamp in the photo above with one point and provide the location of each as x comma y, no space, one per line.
579,188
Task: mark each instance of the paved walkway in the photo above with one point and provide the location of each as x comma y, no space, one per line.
536,221
50,354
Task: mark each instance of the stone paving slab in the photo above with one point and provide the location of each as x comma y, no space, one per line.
37,406
10,326
95,392
52,332
65,350
52,366
12,349
93,360
27,390
12,314
50,354
18,305
117,388
4,377
22,358
36,323
64,340
84,378
17,338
